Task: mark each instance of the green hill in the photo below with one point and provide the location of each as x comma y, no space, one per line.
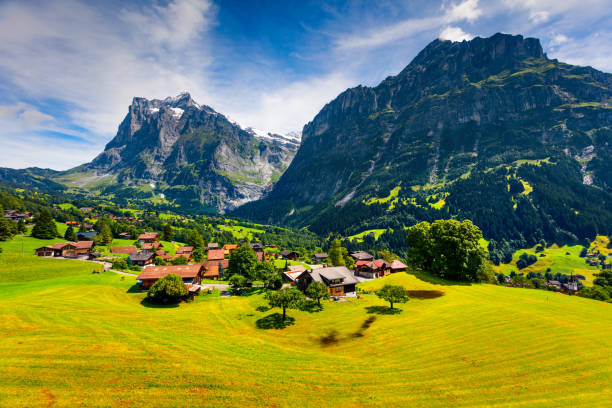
88,340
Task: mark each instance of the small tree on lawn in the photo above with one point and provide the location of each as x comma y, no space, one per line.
105,237
243,261
335,253
316,291
267,273
287,298
238,282
180,260
393,294
70,235
168,289
159,261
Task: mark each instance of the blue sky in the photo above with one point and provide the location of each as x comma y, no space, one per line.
70,68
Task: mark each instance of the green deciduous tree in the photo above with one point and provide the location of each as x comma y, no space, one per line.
44,227
269,275
159,261
168,233
448,248
70,235
335,253
168,289
238,282
393,294
317,291
180,260
286,298
194,239
243,261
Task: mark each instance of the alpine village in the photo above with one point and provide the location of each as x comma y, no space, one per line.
438,239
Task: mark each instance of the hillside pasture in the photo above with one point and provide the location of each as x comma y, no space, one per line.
557,259
89,340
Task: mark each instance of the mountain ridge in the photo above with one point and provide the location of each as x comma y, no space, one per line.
458,112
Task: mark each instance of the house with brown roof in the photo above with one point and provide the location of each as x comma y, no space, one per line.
290,255
142,258
372,269
126,250
212,245
319,257
361,256
215,269
229,248
125,235
215,255
339,280
66,249
398,266
184,250
191,274
151,246
148,237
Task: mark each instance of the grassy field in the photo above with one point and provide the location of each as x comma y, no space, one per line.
79,339
558,260
240,232
359,237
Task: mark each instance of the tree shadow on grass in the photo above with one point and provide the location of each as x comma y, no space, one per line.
148,303
436,280
364,326
263,308
310,306
382,310
424,294
274,321
134,289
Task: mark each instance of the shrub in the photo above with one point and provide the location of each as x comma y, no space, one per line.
169,289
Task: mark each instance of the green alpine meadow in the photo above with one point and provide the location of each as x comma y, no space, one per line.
210,203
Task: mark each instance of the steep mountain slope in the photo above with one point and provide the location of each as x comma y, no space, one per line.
179,151
488,129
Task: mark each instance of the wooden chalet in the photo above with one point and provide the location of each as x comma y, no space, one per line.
16,216
162,254
125,235
372,269
212,245
320,257
215,255
290,255
339,280
148,237
127,250
66,249
142,258
361,256
398,266
184,250
229,248
214,269
191,274
151,246
257,246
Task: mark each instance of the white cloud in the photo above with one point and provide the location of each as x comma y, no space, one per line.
558,40
24,115
465,11
539,16
96,60
288,108
455,34
594,50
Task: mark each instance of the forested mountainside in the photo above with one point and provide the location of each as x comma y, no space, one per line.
176,151
489,129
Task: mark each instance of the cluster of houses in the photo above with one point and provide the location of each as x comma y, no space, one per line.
340,280
594,259
16,215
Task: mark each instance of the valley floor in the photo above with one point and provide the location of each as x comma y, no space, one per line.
87,340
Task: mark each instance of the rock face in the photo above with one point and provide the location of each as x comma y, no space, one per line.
458,113
191,154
